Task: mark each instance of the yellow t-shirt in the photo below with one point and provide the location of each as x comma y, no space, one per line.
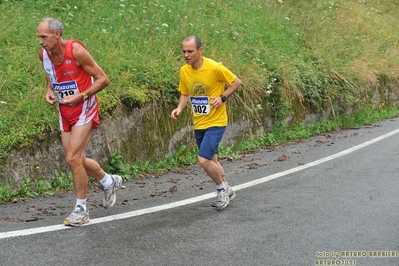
201,85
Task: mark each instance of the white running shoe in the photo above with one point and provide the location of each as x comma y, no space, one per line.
222,199
231,192
232,195
110,192
77,217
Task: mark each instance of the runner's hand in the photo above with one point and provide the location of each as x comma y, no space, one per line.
50,98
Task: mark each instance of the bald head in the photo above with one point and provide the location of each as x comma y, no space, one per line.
197,41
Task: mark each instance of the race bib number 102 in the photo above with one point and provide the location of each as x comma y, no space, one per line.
64,89
200,104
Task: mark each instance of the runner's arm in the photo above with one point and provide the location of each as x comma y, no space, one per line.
182,103
84,59
232,88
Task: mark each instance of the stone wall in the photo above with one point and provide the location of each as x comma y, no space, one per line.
138,133
149,133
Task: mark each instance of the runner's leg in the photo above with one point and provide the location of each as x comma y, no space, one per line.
75,143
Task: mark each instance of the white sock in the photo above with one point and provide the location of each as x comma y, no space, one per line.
221,186
81,202
106,181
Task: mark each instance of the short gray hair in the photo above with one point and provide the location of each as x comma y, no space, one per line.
54,24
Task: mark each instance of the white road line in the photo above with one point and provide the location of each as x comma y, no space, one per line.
131,214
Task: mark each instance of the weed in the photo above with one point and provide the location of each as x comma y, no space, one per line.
117,166
61,182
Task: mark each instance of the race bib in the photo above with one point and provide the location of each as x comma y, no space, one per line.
200,104
64,89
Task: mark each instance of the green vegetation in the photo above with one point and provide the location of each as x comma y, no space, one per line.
317,51
314,54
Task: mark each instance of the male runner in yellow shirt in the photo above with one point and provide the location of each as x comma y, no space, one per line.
202,82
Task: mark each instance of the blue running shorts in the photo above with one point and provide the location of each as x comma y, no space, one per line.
208,141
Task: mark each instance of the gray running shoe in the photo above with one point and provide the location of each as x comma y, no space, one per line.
232,195
110,192
77,217
222,199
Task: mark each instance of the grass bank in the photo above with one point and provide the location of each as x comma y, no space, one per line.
316,50
312,52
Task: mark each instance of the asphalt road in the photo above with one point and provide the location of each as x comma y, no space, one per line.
328,200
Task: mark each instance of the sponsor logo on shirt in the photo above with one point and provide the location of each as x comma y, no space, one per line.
69,73
199,101
65,86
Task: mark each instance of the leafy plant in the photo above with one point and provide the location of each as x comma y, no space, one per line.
117,166
61,182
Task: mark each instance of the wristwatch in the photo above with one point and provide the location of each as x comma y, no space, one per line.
224,98
84,95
